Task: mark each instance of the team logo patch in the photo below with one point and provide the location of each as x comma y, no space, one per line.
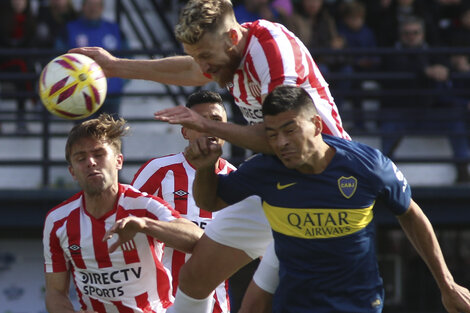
347,186
74,249
180,193
281,187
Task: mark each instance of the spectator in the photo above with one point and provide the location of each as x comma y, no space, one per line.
17,30
423,112
386,15
357,34
252,10
284,8
52,18
91,29
460,37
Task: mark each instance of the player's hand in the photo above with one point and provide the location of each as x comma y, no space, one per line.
183,116
203,152
126,229
456,299
101,56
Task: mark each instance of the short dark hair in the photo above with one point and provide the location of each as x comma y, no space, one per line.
285,98
204,96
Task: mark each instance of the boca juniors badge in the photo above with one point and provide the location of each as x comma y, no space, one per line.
347,186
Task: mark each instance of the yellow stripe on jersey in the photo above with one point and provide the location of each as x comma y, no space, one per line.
317,223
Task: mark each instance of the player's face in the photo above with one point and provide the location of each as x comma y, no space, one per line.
212,111
292,136
216,57
94,165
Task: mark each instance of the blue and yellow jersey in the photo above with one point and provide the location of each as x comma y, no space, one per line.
322,225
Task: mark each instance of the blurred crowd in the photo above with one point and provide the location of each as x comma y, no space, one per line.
409,26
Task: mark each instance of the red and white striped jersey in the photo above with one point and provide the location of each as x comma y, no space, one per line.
275,56
132,278
171,178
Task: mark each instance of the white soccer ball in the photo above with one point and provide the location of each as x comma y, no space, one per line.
72,86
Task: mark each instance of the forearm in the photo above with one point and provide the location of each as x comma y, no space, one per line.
205,190
180,234
252,137
421,234
58,303
177,70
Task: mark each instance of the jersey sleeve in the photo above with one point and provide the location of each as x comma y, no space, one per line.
395,190
54,256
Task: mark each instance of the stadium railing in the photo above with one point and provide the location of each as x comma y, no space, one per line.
40,57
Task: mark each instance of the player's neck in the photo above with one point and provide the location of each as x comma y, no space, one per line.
319,160
98,205
243,40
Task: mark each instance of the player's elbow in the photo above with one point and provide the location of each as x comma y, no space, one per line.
210,204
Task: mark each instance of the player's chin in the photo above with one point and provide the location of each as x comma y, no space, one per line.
222,79
289,163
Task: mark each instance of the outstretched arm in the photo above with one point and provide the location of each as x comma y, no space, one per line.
176,70
203,155
251,137
180,234
419,231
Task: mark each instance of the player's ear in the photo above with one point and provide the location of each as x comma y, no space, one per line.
317,121
72,172
120,161
184,132
234,37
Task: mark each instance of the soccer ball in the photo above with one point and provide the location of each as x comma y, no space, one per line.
72,86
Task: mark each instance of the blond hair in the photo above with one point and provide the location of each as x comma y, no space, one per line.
104,128
201,16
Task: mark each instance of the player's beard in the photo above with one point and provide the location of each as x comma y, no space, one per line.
225,75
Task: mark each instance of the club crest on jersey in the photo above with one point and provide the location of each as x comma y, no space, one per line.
254,89
347,186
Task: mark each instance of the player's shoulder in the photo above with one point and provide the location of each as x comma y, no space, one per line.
154,164
358,155
259,162
164,161
66,207
264,30
354,148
